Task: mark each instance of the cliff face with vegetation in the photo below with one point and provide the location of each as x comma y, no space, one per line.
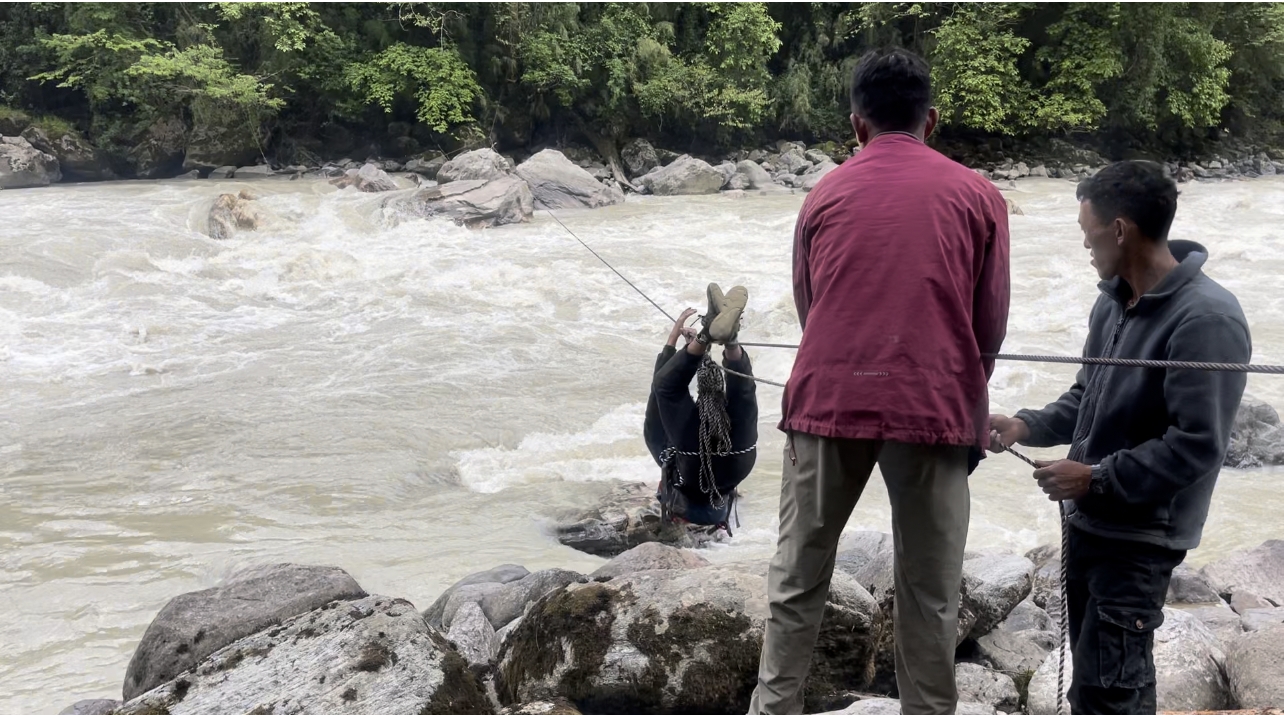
153,89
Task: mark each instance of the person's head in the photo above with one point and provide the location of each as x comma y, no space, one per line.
1125,211
892,92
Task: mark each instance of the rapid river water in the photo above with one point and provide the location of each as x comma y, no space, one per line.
417,402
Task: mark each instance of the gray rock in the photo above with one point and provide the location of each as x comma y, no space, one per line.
1224,623
1259,570
1002,582
785,178
499,575
476,165
23,166
1016,651
813,177
369,179
556,183
77,159
978,684
754,175
1256,619
868,557
91,707
888,706
256,171
1014,209
728,170
639,157
1026,616
1242,601
685,640
627,516
158,152
473,635
817,156
194,625
1190,586
1254,664
684,176
542,707
223,172
739,182
757,156
1022,170
232,213
213,145
471,203
1188,665
507,603
793,162
426,168
1039,172
1257,438
1041,697
501,635
651,556
374,656
193,174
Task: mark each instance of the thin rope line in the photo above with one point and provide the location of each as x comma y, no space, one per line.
608,265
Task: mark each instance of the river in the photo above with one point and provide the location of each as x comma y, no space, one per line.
420,401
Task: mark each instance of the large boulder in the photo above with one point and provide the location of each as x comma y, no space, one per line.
978,684
369,178
1041,693
210,146
1189,586
1255,668
426,166
755,176
651,556
686,175
674,641
473,635
813,177
450,600
994,585
77,159
1242,601
233,213
1261,618
23,166
374,656
194,625
90,707
158,152
507,603
1021,642
471,203
639,157
557,183
627,516
1224,623
1259,570
1257,438
476,165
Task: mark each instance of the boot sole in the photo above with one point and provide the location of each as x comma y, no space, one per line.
727,324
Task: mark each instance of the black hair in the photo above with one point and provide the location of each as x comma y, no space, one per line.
1140,191
892,90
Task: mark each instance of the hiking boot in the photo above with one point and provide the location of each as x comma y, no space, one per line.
725,325
716,299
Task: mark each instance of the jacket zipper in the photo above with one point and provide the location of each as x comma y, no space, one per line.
1094,387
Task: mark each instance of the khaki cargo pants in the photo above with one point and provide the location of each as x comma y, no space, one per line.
930,500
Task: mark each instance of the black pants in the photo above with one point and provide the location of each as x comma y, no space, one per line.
672,419
1115,594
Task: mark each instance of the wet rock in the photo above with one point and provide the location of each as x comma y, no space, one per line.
77,159
23,166
978,684
473,635
233,213
223,172
556,183
543,707
813,177
673,641
738,182
1254,663
369,179
508,602
194,625
1259,570
256,171
374,656
435,614
650,556
627,516
1190,586
91,707
213,145
686,175
1257,619
471,203
426,167
1014,209
476,165
1257,438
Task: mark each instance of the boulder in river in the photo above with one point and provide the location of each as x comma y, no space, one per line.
210,146
90,707
557,183
1257,437
1259,570
23,166
193,625
77,159
639,157
426,167
686,175
369,178
673,641
627,516
813,177
158,152
373,656
232,213
471,203
1255,668
476,165
449,601
755,176
650,556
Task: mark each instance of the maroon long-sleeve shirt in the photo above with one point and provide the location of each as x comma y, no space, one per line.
901,284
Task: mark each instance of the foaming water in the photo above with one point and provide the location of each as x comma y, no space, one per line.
413,401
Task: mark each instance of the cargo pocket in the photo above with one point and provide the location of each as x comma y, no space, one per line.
1127,642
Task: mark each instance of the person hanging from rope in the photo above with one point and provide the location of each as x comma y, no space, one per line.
1146,445
705,447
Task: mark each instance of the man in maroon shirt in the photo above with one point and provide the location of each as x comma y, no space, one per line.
901,284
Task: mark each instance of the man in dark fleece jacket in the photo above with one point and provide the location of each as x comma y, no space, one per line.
1146,444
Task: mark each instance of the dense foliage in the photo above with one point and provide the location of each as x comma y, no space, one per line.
694,74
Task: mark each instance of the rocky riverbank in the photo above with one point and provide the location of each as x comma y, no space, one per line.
659,630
